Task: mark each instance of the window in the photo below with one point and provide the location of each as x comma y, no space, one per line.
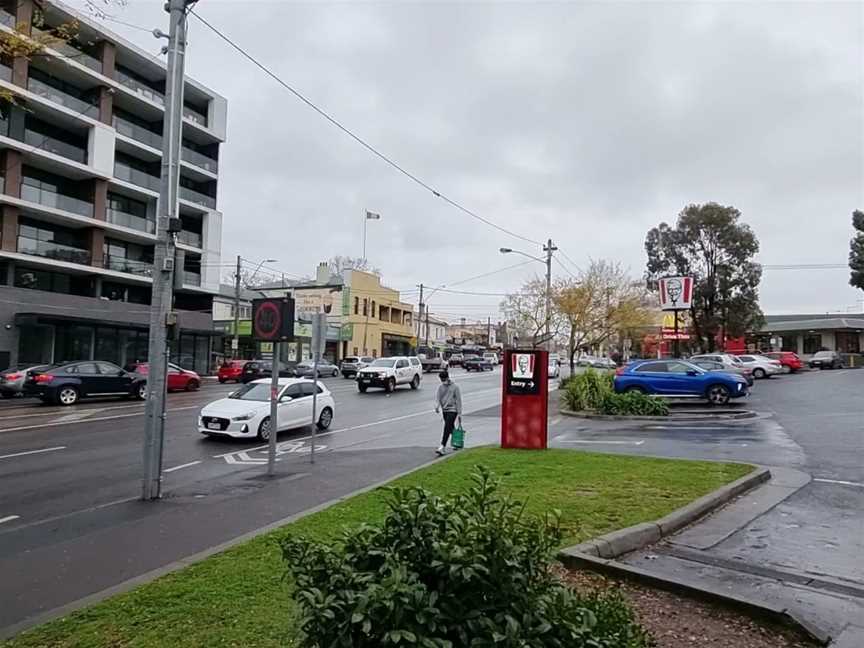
294,391
415,362
812,343
356,351
108,369
365,307
87,369
53,242
401,364
848,342
307,389
652,366
747,358
356,312
677,367
373,308
107,346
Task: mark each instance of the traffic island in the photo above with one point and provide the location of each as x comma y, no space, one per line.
239,596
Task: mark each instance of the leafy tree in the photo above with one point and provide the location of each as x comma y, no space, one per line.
856,251
710,244
338,264
525,313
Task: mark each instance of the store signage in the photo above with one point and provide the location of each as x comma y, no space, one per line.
273,319
676,293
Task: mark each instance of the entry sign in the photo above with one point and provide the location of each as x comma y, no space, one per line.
525,404
676,293
273,319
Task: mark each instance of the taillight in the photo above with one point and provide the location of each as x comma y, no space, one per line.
44,378
14,376
619,371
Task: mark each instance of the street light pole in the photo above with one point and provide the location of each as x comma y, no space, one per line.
549,248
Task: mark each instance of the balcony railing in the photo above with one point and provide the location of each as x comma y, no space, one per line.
132,221
135,176
190,238
192,278
53,145
7,18
139,88
51,250
138,133
50,92
69,51
195,116
199,160
5,73
129,266
56,200
197,197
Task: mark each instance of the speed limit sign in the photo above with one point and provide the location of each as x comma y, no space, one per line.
273,319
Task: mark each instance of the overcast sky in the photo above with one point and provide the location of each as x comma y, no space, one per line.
589,123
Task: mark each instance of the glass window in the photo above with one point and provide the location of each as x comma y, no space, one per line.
108,369
253,392
848,342
294,391
677,367
202,354
107,345
812,343
652,366
34,344
88,369
307,389
73,343
401,364
365,307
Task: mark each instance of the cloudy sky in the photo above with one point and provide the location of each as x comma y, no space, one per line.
589,123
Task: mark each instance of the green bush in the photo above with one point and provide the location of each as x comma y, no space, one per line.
586,390
470,570
633,404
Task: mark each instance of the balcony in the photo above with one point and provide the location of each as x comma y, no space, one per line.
5,73
197,197
139,88
129,266
7,18
190,238
131,221
69,51
56,146
135,176
51,250
195,116
199,160
191,278
58,96
56,200
138,133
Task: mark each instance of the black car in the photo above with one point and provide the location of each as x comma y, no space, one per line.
306,369
68,383
826,360
477,363
255,369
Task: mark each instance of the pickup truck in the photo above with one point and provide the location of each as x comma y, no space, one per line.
432,360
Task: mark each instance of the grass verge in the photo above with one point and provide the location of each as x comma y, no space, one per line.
238,598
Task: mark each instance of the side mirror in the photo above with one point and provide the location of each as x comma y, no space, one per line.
121,373
284,399
692,372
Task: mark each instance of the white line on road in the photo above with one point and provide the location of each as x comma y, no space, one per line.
31,452
692,425
186,465
636,443
824,481
9,518
89,420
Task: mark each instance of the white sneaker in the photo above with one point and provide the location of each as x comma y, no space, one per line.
440,451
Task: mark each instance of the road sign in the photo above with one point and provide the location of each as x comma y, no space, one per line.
273,319
676,293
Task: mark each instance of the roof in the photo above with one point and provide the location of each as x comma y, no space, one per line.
227,290
813,324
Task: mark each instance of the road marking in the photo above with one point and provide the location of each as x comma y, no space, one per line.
77,416
636,443
824,481
9,518
32,452
89,420
688,425
186,465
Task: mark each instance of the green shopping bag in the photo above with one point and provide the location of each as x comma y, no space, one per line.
457,439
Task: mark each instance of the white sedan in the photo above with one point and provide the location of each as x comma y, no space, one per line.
245,414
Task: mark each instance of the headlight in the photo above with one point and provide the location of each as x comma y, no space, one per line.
244,417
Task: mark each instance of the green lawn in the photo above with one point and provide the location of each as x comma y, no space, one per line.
237,598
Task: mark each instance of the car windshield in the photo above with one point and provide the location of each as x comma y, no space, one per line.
823,354
253,392
352,359
384,362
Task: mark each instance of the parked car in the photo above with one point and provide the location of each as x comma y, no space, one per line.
455,359
68,383
788,360
492,357
586,361
388,373
231,370
178,379
728,361
711,365
554,368
432,359
826,360
306,369
603,363
256,369
478,363
679,378
762,367
352,364
12,380
245,414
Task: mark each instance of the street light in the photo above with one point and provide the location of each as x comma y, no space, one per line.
548,249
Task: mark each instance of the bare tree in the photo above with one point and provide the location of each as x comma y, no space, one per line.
525,313
338,264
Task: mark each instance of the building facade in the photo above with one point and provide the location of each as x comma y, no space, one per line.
808,334
433,331
80,156
474,333
375,321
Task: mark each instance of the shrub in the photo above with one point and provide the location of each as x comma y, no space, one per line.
633,404
470,570
586,391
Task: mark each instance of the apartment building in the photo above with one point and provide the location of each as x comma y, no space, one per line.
80,156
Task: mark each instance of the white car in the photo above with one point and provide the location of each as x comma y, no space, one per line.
245,414
491,357
554,368
390,372
762,367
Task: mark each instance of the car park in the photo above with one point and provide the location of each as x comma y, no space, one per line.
728,361
12,380
245,414
761,366
179,379
306,369
352,364
712,365
680,379
389,373
826,360
68,383
788,360
477,363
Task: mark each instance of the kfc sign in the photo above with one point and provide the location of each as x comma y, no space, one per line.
676,293
522,375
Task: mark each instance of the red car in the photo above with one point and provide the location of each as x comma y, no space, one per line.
787,359
178,379
231,370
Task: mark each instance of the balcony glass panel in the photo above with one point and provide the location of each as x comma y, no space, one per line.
5,73
56,200
195,116
129,266
7,18
69,51
127,173
199,160
53,250
53,145
139,88
50,92
190,238
130,220
191,278
138,133
197,197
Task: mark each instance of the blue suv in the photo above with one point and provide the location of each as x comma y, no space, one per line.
680,378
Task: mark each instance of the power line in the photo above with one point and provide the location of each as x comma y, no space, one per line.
570,261
356,137
565,268
806,266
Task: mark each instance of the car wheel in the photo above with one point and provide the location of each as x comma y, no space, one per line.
141,391
391,385
192,385
635,390
362,388
415,382
335,373
221,381
264,429
718,395
67,396
759,373
325,419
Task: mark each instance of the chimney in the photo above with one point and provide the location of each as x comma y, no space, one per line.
462,321
322,274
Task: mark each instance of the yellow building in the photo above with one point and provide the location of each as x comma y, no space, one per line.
375,322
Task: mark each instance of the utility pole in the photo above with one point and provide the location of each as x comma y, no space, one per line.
235,341
420,316
488,332
427,327
163,258
549,249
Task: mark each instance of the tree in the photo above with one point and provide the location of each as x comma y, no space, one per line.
525,312
338,264
601,302
711,245
856,251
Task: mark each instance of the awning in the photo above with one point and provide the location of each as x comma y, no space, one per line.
36,319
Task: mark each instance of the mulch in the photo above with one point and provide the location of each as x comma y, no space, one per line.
679,622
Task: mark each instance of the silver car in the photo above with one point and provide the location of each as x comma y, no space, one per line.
352,364
12,380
